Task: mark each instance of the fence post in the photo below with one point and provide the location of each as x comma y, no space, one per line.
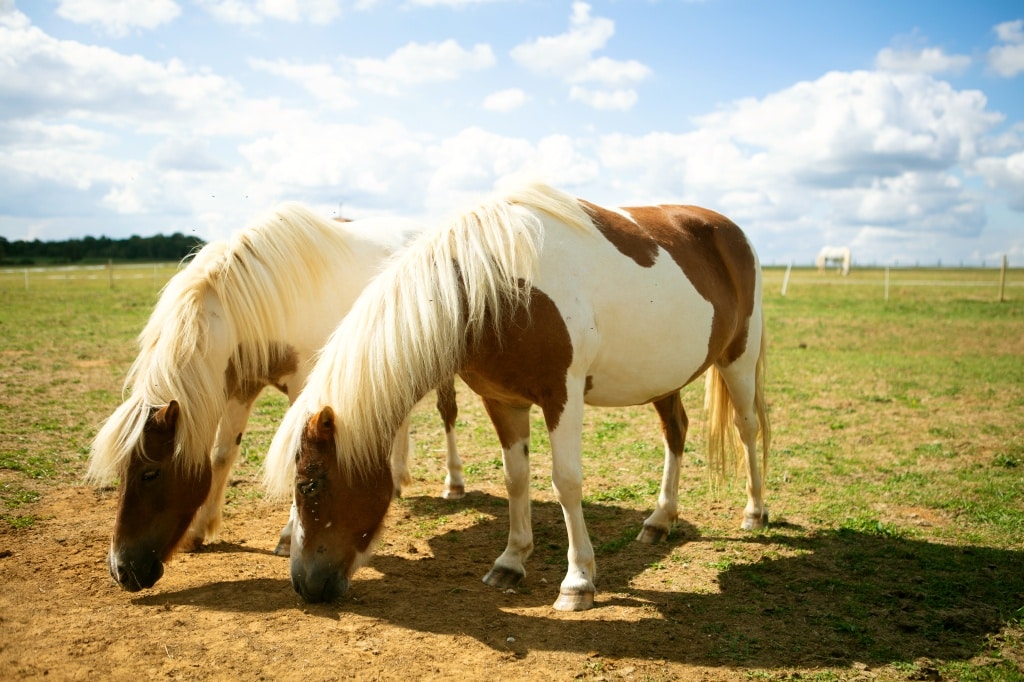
886,283
1002,281
26,279
785,279
110,271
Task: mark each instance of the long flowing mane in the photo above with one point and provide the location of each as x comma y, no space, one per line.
412,326
248,283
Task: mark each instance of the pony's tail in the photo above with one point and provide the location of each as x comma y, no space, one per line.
723,438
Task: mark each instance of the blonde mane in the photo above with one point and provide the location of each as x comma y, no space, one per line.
412,326
245,286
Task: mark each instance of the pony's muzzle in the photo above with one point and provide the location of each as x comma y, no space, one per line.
137,573
319,585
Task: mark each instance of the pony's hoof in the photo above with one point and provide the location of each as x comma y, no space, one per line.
284,548
651,535
192,544
454,492
502,577
574,601
755,522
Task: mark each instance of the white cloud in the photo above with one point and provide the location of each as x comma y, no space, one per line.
569,56
452,3
318,80
505,100
189,154
610,72
119,18
475,161
1011,31
40,75
839,155
416,64
607,100
1008,60
379,166
1006,174
247,12
931,60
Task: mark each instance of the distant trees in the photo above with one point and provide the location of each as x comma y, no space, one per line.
97,250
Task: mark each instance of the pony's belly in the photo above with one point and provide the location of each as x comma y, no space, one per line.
647,377
640,357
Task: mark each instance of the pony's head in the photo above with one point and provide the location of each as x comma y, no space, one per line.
156,444
159,497
339,513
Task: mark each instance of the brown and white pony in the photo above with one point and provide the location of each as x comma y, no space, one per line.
534,298
244,313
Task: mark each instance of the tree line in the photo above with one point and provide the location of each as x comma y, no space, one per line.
97,250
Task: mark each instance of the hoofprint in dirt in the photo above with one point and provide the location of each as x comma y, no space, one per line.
711,603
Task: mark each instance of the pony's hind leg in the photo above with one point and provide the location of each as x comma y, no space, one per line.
674,424
741,379
209,518
513,427
448,408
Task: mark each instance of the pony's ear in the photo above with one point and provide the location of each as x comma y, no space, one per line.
321,426
166,417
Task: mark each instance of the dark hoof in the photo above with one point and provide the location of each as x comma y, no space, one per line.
651,535
755,522
454,492
503,578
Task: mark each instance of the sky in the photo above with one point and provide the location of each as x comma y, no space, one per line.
894,127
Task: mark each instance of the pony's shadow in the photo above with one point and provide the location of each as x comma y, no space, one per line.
249,595
835,598
223,547
831,598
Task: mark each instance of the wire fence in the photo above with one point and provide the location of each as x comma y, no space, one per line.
993,283
98,277
891,282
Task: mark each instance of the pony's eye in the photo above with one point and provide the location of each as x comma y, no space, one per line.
309,487
150,475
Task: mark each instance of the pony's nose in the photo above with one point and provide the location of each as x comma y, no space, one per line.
319,585
135,574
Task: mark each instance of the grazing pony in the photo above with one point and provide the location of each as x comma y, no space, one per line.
243,314
534,298
834,255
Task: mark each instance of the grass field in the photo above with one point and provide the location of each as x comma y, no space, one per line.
896,482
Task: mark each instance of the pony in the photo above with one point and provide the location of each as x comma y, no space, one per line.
244,313
835,255
534,298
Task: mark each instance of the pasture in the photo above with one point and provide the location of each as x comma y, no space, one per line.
895,486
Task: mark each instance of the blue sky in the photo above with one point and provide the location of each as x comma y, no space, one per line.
894,127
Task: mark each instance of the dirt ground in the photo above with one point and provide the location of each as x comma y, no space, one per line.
419,611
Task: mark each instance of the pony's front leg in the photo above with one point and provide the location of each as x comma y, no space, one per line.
284,542
512,423
448,408
577,590
400,448
209,518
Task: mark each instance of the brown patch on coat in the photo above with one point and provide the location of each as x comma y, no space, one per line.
341,515
447,406
711,251
525,362
284,361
